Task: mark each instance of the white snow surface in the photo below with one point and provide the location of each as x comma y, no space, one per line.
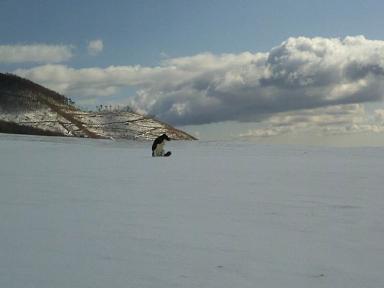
97,213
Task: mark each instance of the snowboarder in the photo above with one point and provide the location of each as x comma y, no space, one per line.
158,146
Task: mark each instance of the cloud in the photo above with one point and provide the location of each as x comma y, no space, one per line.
95,47
36,53
85,81
379,116
333,120
301,73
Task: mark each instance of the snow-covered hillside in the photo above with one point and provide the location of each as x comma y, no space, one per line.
97,213
116,125
28,108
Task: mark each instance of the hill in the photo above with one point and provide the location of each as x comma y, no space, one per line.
29,108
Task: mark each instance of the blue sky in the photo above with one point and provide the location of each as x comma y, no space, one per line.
137,32
203,46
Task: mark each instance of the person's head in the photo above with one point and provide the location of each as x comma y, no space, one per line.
165,137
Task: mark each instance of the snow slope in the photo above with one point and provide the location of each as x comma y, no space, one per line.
105,125
97,213
29,108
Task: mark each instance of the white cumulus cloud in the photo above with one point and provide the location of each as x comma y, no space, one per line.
332,120
37,53
95,47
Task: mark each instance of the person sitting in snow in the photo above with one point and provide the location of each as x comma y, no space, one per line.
158,146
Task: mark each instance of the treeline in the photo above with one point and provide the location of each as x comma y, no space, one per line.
13,128
115,108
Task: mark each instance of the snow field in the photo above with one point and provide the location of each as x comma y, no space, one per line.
97,213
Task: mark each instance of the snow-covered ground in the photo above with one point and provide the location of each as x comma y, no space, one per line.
97,213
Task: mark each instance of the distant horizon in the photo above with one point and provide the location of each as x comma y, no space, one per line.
273,72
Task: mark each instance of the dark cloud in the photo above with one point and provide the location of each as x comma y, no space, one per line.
355,70
301,73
